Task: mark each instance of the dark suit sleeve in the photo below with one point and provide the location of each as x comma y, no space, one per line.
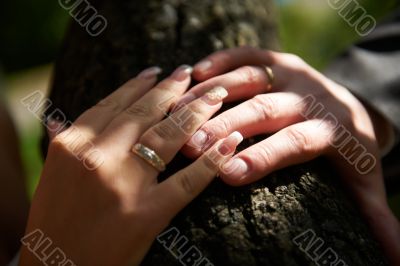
371,69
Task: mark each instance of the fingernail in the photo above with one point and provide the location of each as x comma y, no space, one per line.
199,139
235,168
54,128
215,95
185,100
182,73
53,124
150,72
229,145
203,66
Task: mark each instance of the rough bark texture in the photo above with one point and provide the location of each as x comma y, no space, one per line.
252,225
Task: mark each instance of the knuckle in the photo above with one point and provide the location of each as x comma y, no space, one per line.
191,123
219,127
294,62
193,112
299,140
139,111
293,59
265,106
225,125
79,147
58,144
187,183
196,109
167,93
248,74
166,88
92,157
211,162
164,131
110,105
262,156
72,137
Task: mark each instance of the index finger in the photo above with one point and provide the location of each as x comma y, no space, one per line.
223,61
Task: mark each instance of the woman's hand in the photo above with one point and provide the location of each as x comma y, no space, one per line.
100,203
308,116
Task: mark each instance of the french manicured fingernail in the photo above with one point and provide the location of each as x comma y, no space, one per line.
185,100
150,72
235,168
203,66
199,139
215,95
182,73
229,145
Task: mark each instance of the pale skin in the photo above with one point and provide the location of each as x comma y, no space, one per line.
295,139
111,215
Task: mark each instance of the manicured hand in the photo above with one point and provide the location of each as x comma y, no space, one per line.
307,115
99,203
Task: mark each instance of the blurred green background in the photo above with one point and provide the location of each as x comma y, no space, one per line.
31,32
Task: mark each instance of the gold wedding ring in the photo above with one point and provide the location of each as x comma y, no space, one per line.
150,156
271,77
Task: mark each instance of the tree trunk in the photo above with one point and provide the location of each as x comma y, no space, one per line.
252,225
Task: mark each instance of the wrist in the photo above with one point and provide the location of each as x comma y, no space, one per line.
384,130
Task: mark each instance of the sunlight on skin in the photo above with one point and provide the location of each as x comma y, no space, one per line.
122,193
296,138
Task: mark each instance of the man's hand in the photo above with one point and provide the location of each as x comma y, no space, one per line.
308,116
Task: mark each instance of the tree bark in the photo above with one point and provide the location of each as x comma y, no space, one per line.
252,225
